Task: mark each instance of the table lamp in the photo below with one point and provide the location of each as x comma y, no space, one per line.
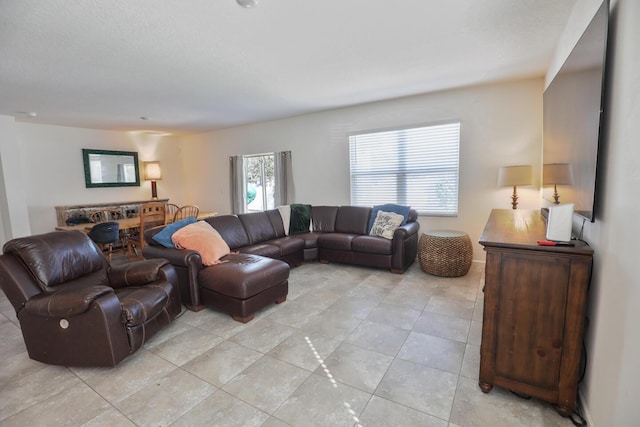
514,176
152,172
557,174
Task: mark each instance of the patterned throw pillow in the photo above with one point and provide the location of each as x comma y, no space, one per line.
385,224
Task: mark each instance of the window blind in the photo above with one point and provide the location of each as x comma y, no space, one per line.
416,167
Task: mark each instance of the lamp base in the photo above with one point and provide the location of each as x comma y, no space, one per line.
514,199
556,196
154,190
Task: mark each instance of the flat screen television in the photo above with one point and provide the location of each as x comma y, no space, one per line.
572,121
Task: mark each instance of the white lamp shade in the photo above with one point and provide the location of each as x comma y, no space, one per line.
152,171
514,175
557,174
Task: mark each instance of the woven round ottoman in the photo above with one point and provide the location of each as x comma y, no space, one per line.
446,253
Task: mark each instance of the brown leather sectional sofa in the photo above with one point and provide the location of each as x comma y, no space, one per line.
246,281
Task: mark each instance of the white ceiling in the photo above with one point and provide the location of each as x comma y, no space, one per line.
198,65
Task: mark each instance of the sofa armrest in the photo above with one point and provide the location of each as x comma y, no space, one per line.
135,273
404,246
188,264
65,302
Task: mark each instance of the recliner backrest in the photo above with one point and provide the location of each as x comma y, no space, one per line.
56,258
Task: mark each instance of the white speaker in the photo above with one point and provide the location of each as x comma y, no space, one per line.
559,222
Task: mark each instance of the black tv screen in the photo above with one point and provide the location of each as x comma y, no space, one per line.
573,113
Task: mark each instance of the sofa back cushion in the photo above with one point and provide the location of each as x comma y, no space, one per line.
58,257
323,218
258,227
276,221
353,220
231,229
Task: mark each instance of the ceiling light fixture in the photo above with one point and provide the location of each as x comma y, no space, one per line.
247,3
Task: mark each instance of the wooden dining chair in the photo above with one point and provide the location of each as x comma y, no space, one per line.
185,212
151,215
105,215
170,212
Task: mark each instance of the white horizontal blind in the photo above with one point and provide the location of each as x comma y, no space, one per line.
416,167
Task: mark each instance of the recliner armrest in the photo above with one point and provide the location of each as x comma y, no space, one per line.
65,302
135,273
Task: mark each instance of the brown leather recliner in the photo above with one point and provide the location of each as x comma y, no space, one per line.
75,309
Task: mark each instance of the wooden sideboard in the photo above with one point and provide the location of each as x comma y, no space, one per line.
535,301
128,209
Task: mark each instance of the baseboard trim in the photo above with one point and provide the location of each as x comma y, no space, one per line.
586,414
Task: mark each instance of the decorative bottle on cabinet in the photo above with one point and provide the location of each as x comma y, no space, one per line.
534,310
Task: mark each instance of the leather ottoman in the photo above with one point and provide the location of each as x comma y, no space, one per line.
244,283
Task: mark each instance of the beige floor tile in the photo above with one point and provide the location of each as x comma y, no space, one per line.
377,337
451,307
223,410
166,399
131,375
267,383
409,296
471,362
439,353
222,363
274,422
394,315
37,387
172,330
71,406
499,408
318,403
419,387
16,367
332,323
384,413
304,350
263,334
109,418
182,348
475,333
356,366
216,322
356,306
440,325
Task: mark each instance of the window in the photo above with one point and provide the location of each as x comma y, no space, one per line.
416,167
259,182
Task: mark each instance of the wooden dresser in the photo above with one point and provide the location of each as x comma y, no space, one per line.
534,310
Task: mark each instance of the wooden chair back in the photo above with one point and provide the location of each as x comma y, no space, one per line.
151,214
185,212
171,210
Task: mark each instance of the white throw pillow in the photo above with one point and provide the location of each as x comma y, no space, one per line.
385,224
285,213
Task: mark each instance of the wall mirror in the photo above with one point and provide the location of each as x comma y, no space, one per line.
105,168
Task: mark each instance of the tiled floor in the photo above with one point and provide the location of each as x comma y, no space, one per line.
351,346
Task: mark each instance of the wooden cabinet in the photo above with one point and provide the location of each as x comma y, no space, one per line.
534,309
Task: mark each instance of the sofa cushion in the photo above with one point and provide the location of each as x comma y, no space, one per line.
288,245
201,237
372,245
300,221
386,224
310,239
337,241
231,229
276,222
164,236
243,275
258,227
324,218
263,249
352,220
389,207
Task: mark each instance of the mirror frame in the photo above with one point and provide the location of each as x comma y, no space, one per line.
87,168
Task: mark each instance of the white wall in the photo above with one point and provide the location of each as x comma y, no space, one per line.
42,168
501,125
611,388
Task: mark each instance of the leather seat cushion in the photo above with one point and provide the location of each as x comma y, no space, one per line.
140,304
288,245
372,245
263,249
337,241
243,275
